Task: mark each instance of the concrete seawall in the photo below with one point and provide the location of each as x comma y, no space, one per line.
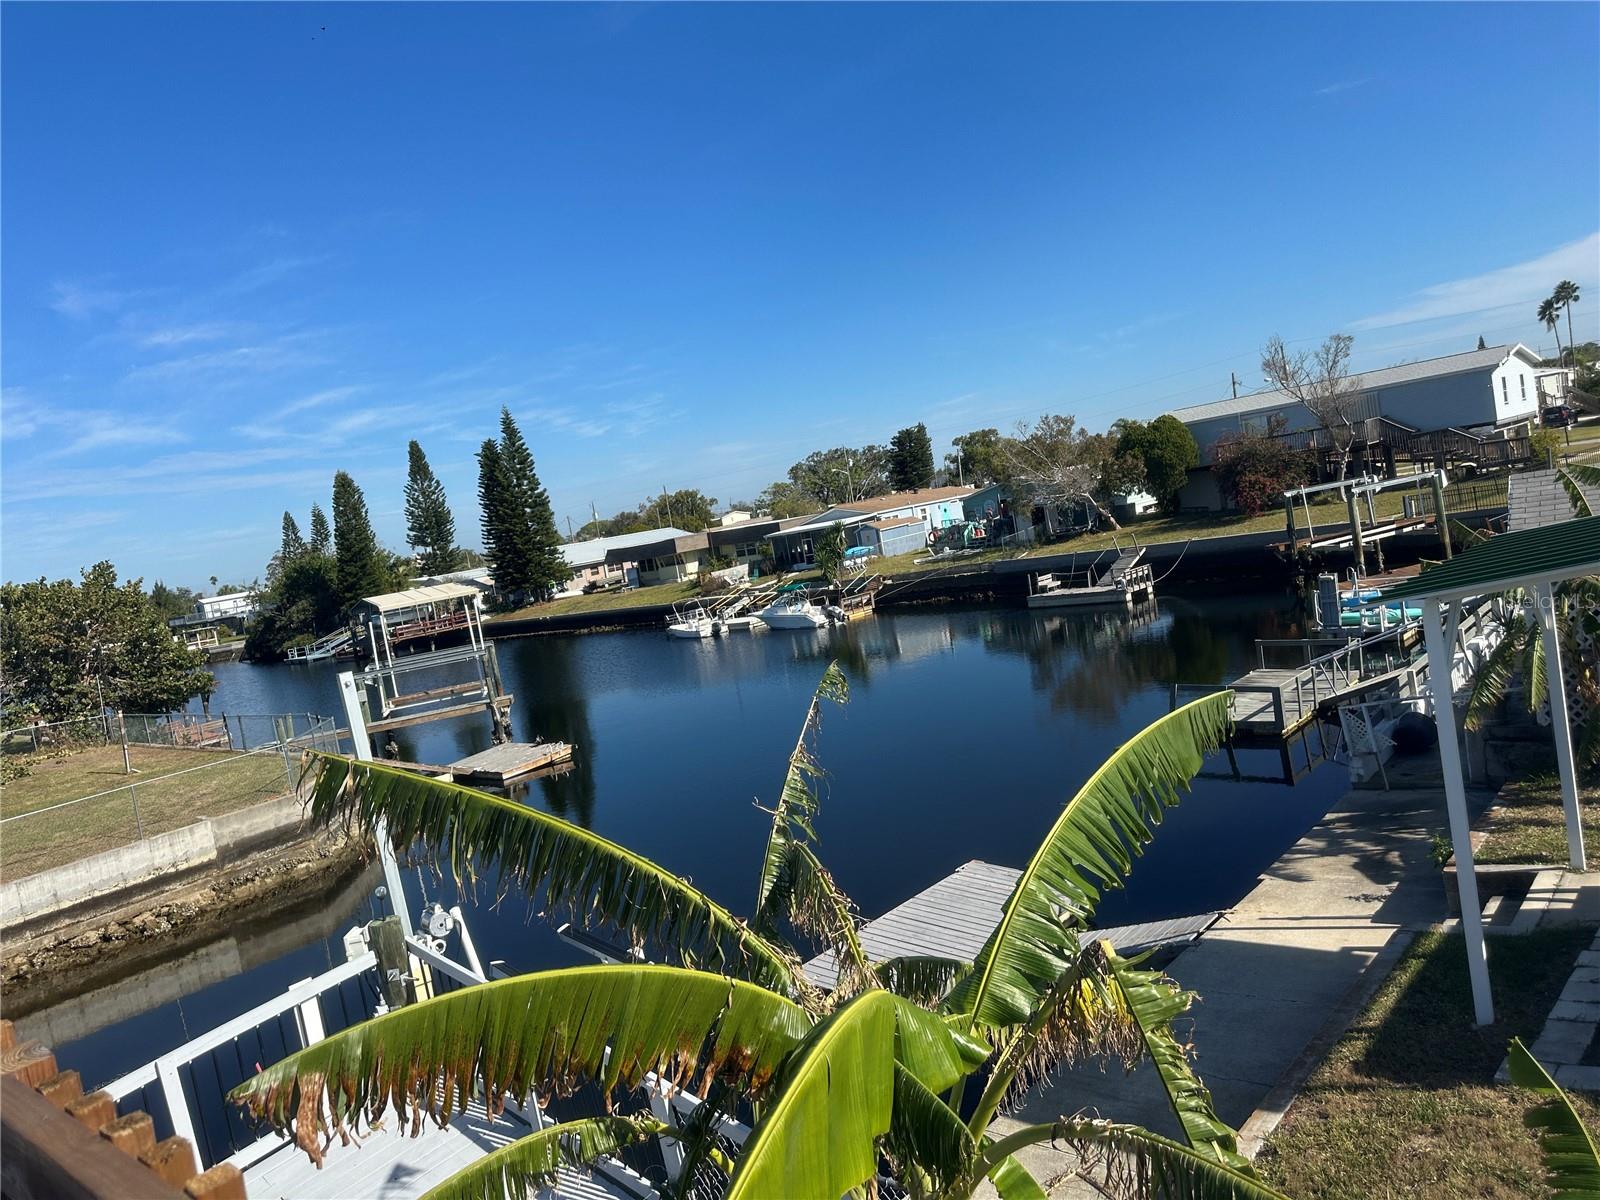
154,862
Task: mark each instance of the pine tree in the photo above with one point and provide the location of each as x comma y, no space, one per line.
293,545
430,528
358,563
321,540
535,523
503,538
911,459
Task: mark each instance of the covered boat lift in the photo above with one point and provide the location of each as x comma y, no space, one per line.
1535,560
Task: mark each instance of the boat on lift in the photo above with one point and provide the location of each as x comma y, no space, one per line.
691,621
793,611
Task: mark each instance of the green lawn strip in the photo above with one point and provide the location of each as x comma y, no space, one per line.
1406,1105
1528,823
166,800
659,593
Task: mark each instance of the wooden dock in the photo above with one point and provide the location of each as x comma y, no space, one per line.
955,916
499,765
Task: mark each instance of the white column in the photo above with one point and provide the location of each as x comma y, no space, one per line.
1455,799
1544,598
362,741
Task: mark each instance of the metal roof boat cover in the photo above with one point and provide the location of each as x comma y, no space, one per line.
1547,552
412,597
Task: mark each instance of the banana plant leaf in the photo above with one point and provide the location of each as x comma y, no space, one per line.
519,1169
1571,1158
551,1032
580,872
1091,845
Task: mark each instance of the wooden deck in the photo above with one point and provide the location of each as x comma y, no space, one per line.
509,760
1268,701
955,916
389,1165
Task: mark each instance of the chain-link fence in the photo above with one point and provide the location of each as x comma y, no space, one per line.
77,799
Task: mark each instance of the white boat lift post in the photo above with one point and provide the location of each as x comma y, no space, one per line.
361,740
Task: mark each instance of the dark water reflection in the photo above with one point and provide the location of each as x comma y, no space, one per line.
966,731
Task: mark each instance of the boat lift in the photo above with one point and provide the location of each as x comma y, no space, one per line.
1365,487
399,617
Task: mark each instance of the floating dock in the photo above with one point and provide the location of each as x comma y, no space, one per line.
955,916
509,761
1126,580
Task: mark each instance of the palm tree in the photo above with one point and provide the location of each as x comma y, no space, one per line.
1520,651
1566,295
845,1087
1550,314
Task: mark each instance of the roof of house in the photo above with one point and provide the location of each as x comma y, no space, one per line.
226,596
594,552
1554,552
412,597
1538,498
896,500
894,522
1428,368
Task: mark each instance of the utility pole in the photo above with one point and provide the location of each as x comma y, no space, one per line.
961,475
1234,380
569,527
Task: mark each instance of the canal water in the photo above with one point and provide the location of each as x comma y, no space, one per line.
966,730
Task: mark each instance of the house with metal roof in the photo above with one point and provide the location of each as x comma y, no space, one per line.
650,556
931,508
1481,390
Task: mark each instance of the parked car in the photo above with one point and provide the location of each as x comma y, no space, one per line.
1558,416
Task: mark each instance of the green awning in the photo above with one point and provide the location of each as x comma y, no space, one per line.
1550,552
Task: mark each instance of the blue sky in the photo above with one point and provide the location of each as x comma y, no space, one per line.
246,245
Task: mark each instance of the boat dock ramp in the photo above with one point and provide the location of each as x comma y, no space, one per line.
507,763
955,916
1126,579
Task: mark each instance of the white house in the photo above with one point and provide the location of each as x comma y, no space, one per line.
229,604
635,559
1480,389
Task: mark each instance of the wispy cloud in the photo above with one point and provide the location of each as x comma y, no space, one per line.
1521,283
290,352
69,431
80,301
1343,85
168,336
267,273
318,399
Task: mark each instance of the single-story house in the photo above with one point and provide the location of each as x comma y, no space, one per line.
743,543
734,516
1479,389
638,559
930,508
477,577
1554,383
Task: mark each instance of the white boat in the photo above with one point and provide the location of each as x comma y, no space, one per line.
691,623
793,612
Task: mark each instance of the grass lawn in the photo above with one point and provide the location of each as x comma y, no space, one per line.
1406,1104
1528,825
660,593
228,781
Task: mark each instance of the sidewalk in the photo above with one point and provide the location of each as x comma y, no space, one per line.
1270,975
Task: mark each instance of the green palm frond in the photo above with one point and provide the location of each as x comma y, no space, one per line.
1012,1181
580,872
1571,481
1155,1003
518,1170
818,1136
549,1031
929,1145
1090,846
1493,679
1128,1161
1571,1158
797,801
921,978
1584,473
835,1098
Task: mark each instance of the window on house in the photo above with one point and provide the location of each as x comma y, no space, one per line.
1505,394
1523,380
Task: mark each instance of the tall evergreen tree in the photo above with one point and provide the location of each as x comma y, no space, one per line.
359,566
911,459
430,528
321,539
293,545
535,525
503,543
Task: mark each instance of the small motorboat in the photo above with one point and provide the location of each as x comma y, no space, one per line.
793,612
691,622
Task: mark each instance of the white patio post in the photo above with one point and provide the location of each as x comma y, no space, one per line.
1544,598
1455,799
361,740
